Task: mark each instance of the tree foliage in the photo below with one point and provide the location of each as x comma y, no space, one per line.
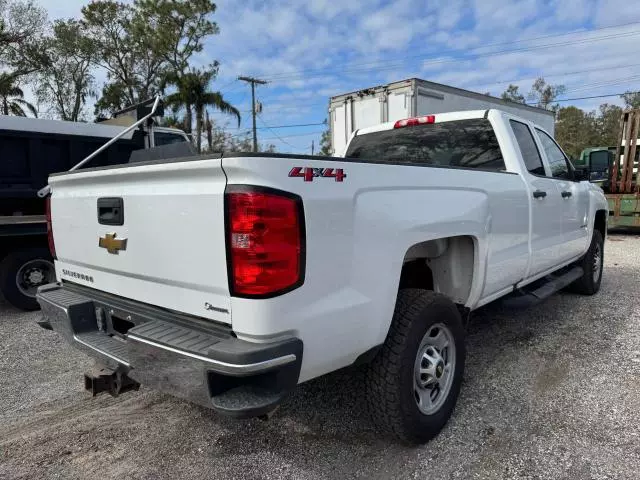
23,25
609,124
176,29
193,90
544,94
134,69
67,81
631,99
146,46
219,140
577,129
512,94
325,143
12,100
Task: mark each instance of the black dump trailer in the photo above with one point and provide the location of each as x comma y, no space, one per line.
30,150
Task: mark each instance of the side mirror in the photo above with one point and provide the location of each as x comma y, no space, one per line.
580,174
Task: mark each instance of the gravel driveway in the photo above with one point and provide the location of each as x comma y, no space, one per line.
551,392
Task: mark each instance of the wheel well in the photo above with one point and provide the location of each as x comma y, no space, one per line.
600,222
444,265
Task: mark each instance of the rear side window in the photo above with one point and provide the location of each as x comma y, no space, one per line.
464,143
528,148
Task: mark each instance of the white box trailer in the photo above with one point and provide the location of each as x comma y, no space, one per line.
413,97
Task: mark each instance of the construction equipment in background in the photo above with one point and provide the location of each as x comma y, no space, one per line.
615,168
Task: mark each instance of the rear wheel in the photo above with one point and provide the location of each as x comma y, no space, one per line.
413,383
591,264
22,272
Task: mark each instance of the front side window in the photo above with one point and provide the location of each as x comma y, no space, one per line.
528,148
555,157
463,143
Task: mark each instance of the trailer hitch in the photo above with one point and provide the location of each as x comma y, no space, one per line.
102,379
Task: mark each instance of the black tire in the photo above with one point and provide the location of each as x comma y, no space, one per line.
589,283
390,388
9,269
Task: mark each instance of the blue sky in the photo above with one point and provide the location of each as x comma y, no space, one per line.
310,50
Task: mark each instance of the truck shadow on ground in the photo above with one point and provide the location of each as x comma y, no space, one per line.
330,412
517,360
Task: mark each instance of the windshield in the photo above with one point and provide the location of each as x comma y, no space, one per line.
463,143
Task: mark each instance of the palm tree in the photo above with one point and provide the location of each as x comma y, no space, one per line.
193,94
12,97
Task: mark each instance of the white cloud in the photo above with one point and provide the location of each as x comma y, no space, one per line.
315,49
573,11
611,12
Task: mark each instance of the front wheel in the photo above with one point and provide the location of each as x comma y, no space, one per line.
413,383
22,272
591,264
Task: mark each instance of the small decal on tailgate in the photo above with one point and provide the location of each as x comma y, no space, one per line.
309,173
81,276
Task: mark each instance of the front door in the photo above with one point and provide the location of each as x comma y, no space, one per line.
547,234
574,195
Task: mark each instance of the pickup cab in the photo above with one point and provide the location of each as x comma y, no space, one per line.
228,279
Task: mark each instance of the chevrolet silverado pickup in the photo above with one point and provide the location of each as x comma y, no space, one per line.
228,279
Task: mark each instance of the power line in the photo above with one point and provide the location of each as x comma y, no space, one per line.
388,66
307,134
291,126
588,98
274,132
479,85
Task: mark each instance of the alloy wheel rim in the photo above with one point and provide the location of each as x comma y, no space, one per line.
434,369
597,263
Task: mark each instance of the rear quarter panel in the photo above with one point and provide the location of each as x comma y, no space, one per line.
357,234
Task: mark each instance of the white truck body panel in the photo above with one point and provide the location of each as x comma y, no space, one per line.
410,98
359,233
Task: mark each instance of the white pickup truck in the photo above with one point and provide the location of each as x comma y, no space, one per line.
229,279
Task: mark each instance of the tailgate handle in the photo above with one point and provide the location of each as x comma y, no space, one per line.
110,211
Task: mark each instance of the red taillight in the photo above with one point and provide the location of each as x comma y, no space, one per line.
265,242
410,122
52,245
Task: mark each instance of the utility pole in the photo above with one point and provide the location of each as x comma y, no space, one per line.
312,146
253,82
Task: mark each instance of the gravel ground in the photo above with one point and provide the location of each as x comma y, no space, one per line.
551,392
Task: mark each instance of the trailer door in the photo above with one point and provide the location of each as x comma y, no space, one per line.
367,112
398,106
339,134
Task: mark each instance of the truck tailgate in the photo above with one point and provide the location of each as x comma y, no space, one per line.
173,224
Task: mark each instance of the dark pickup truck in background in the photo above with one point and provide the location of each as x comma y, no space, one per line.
30,150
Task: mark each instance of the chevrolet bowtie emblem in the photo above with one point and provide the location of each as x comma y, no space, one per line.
112,244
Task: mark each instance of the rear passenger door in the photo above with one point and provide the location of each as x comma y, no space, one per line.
574,195
547,235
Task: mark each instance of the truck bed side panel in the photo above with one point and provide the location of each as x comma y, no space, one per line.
358,232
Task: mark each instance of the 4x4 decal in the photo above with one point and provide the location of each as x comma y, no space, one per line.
310,173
